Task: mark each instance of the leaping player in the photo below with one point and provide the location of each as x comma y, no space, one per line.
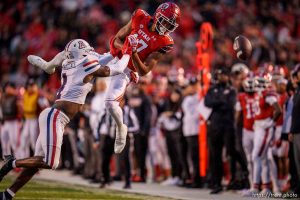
153,42
78,70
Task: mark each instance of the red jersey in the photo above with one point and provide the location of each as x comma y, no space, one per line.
265,103
247,103
149,41
281,101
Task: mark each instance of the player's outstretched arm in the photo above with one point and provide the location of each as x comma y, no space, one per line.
50,66
144,68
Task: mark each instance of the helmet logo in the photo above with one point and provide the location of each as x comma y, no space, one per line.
81,45
164,6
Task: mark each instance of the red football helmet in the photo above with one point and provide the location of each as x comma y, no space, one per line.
166,18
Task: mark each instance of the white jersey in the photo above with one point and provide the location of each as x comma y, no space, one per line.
73,88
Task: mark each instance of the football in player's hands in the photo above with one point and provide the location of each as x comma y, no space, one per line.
242,47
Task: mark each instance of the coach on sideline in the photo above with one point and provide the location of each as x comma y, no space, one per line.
221,98
295,127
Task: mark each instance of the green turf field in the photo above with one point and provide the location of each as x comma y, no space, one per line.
50,190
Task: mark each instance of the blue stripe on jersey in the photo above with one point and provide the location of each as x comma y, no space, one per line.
92,67
48,132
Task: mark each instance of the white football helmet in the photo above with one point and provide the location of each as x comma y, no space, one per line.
240,68
77,49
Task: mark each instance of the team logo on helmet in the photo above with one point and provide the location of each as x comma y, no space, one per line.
164,6
81,45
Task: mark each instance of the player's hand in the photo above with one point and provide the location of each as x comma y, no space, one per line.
112,49
130,45
133,42
134,77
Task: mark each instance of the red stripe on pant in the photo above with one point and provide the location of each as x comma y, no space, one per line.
54,138
264,143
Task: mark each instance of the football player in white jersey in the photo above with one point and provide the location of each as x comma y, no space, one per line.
78,71
110,61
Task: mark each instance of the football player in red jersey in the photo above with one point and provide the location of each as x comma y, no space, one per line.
246,107
267,113
154,41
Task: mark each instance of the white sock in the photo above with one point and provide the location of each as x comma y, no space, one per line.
14,164
11,193
116,112
120,66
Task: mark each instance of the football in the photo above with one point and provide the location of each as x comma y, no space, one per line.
242,47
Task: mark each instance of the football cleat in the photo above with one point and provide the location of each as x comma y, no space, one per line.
7,167
120,140
41,63
250,193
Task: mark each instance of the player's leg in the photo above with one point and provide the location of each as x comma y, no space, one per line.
268,163
115,93
47,150
5,144
24,146
283,156
247,142
33,133
273,170
14,137
119,66
258,148
22,179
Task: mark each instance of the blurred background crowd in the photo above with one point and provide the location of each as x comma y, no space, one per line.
163,144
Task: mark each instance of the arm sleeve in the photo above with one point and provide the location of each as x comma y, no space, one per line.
90,64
